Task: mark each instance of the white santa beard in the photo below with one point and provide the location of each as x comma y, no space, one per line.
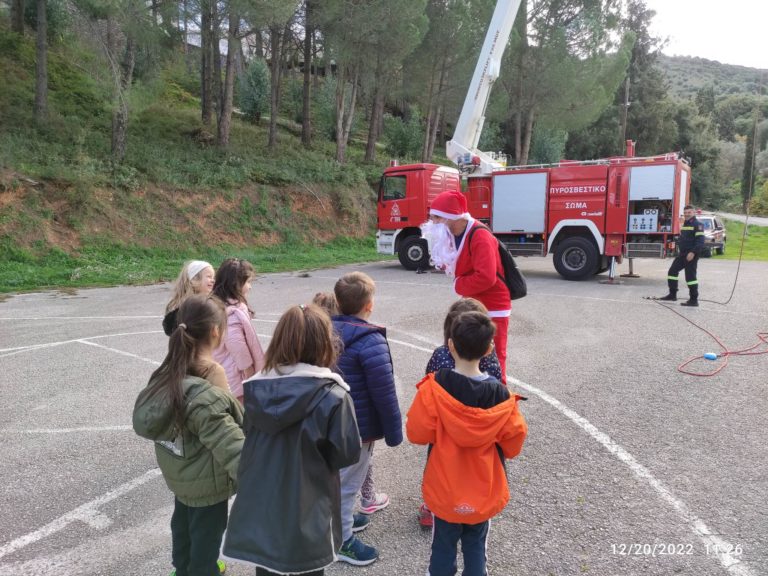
442,246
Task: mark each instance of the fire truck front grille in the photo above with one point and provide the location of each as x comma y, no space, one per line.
525,248
644,250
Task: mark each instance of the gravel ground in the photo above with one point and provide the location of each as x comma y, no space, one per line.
630,468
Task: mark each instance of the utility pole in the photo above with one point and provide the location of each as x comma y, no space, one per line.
624,111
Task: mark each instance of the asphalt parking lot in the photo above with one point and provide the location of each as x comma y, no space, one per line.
630,468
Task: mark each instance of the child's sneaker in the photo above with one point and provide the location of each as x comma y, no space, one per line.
425,516
379,502
220,563
360,522
353,551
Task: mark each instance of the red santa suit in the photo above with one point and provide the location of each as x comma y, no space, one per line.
479,270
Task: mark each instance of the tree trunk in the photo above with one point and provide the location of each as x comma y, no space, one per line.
225,119
274,38
377,107
206,75
430,117
341,88
373,128
218,88
123,80
433,133
306,123
41,65
527,137
17,16
343,138
258,46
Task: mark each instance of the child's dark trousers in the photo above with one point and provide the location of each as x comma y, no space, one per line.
446,536
196,535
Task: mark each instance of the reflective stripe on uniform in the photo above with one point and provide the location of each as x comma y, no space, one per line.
699,233
686,228
671,277
692,282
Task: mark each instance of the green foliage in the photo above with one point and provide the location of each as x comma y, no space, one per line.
547,145
292,99
758,205
324,109
687,75
404,137
492,138
58,17
254,89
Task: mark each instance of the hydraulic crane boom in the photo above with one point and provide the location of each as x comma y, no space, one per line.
462,149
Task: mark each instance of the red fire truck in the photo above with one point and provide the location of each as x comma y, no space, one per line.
581,212
584,213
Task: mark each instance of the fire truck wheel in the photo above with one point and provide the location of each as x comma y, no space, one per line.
576,258
413,253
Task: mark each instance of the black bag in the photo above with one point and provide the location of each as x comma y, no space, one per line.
513,278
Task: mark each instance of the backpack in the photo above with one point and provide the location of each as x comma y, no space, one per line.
513,279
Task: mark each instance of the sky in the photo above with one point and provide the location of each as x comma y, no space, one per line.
732,32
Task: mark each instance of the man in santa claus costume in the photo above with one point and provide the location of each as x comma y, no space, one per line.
475,265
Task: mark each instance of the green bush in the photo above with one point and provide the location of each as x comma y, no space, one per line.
404,138
254,89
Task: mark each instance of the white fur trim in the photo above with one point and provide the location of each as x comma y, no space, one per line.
303,371
448,215
499,313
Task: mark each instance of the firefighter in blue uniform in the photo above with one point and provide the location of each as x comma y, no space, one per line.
690,244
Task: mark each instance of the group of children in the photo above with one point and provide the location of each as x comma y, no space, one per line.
292,432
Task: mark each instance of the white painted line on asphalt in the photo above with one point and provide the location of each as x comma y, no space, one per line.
116,351
80,317
51,344
67,430
712,542
409,345
396,283
87,513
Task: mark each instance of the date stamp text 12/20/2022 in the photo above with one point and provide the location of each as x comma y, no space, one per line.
668,549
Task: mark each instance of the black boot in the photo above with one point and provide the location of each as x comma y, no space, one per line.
671,297
690,302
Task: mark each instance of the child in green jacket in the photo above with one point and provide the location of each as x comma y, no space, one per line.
197,429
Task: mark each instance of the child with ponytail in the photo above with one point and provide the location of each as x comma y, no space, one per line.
197,430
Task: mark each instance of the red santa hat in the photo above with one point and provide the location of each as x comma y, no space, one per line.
449,205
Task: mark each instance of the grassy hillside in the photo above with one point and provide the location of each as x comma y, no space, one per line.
68,216
687,75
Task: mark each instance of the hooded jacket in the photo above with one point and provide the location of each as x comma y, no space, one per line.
300,430
471,425
366,365
200,464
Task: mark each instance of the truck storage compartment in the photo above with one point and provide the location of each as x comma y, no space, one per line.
652,182
519,202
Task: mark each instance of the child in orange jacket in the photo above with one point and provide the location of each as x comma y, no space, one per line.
471,424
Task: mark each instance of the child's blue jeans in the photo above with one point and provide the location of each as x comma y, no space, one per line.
446,536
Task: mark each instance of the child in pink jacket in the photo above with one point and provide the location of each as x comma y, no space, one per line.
240,352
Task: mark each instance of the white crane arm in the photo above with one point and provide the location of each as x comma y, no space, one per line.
463,147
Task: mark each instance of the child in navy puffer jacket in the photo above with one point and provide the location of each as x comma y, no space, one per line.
366,365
